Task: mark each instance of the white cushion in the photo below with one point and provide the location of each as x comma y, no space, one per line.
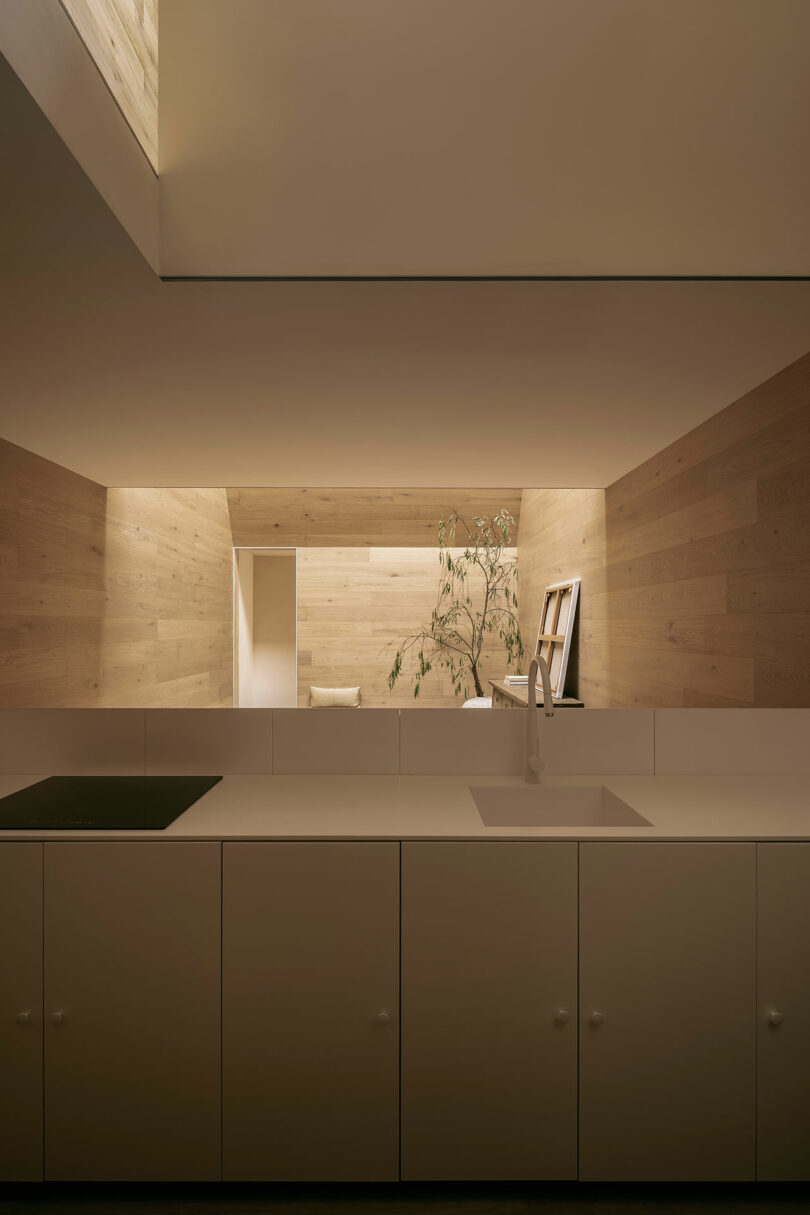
334,698
478,702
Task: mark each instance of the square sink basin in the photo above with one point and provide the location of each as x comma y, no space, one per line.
553,806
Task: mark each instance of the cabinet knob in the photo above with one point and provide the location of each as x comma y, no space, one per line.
57,1018
775,1018
383,1017
24,1018
596,1019
562,1016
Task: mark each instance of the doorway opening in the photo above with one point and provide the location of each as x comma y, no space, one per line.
265,642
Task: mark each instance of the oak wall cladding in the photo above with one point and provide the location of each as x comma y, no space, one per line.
349,518
111,598
707,585
562,536
695,573
367,575
121,37
695,566
167,634
52,524
352,604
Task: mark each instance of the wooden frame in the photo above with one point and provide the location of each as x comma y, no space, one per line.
556,629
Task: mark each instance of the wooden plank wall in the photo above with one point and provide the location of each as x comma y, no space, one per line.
703,598
707,586
367,575
353,602
121,36
111,598
52,588
355,517
562,536
167,633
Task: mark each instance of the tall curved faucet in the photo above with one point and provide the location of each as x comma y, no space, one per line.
534,764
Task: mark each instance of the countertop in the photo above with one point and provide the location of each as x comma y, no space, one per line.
772,807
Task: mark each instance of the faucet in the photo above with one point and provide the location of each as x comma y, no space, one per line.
534,764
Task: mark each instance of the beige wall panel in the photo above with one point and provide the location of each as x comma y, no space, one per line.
443,742
680,149
489,949
132,958
310,963
21,1012
720,741
243,629
274,631
399,363
783,1048
335,741
72,742
183,741
695,566
667,957
122,39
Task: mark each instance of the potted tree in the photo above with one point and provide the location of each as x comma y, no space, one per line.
476,604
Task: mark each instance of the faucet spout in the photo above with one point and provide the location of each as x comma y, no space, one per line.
548,700
534,764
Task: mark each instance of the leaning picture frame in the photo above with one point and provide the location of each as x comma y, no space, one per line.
556,630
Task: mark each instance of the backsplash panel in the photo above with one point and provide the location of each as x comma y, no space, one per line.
72,742
224,742
414,742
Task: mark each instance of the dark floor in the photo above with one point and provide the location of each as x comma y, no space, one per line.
409,1199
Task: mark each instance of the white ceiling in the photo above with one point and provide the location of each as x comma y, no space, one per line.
369,137
131,381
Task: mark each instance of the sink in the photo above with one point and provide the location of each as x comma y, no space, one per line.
553,806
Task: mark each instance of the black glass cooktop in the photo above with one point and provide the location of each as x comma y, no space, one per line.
102,803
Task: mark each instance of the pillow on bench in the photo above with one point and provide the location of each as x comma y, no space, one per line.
334,698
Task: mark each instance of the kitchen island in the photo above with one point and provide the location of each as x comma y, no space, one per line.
354,978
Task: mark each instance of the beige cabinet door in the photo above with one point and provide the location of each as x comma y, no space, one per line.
783,1007
667,991
132,1000
20,1012
489,998
310,1011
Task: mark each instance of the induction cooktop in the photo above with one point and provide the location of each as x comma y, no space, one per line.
102,803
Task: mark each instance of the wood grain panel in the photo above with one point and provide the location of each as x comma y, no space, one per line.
355,517
52,589
716,528
111,598
167,628
121,36
562,536
775,400
695,566
354,602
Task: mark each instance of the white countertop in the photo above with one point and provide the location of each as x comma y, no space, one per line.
773,807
